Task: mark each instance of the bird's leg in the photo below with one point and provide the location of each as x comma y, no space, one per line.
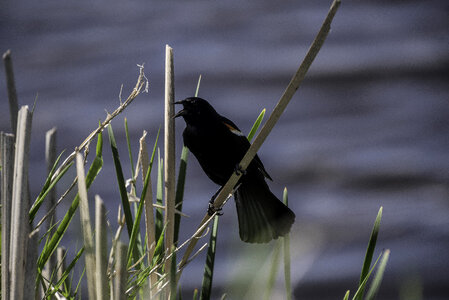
215,195
211,209
238,170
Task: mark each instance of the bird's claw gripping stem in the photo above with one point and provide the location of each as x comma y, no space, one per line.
212,209
238,170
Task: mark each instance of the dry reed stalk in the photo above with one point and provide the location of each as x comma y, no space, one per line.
169,151
11,87
60,260
50,158
149,212
20,228
101,250
86,227
7,163
121,272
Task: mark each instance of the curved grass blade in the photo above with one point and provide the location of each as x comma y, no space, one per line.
53,243
378,277
346,297
256,125
121,181
206,288
370,251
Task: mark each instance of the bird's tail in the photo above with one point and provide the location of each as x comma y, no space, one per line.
262,216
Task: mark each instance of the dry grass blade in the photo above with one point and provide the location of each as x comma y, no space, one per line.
86,227
149,216
7,155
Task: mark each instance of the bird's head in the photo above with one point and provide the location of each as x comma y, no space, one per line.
196,110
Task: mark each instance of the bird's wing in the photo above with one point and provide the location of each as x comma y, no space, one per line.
235,130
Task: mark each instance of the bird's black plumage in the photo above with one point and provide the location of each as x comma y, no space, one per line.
219,146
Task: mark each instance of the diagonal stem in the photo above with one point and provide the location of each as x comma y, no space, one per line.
268,126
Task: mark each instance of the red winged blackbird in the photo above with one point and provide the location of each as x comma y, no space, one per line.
219,146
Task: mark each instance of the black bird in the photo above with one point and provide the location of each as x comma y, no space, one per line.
219,146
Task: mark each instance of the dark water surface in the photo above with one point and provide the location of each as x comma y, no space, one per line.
368,128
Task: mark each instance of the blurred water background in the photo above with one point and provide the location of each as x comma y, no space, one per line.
368,128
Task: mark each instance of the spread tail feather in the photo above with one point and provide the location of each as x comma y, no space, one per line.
262,216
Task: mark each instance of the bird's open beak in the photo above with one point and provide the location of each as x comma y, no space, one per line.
181,112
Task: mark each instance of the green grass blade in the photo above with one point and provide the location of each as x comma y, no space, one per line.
129,148
132,248
362,285
256,125
66,272
154,147
159,220
79,284
180,191
370,251
181,181
287,258
346,297
195,294
276,256
198,86
159,249
378,277
53,243
40,199
206,288
121,181
99,147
